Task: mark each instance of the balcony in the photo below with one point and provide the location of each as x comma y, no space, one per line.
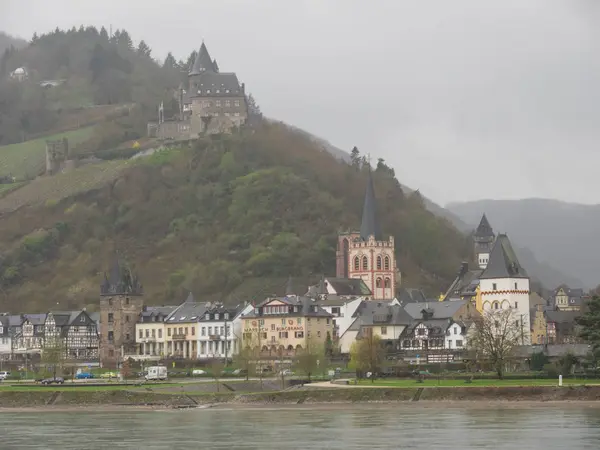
147,339
214,337
179,336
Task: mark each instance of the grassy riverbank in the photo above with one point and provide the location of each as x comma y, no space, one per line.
123,396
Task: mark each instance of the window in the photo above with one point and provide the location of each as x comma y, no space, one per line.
209,330
222,333
147,333
450,344
218,102
193,331
208,91
299,320
299,334
516,305
236,103
203,333
110,318
386,263
383,331
356,263
496,305
168,332
227,91
227,102
318,334
207,316
516,286
378,282
365,263
141,333
494,286
159,333
272,327
459,343
110,302
217,316
421,332
283,335
126,317
127,300
111,353
455,330
82,319
127,337
388,283
379,264
328,321
186,331
226,316
111,336
272,338
283,322
261,322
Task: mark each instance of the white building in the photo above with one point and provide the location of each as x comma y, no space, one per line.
5,340
220,330
19,74
504,284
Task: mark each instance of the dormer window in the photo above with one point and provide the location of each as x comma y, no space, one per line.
217,316
207,316
256,311
226,316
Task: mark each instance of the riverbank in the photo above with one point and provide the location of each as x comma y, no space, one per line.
73,398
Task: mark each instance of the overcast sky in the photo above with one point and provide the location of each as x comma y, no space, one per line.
466,99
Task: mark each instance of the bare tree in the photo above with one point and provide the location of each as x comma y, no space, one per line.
495,336
53,355
216,368
367,354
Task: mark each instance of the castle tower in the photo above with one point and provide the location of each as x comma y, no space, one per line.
121,303
365,254
483,242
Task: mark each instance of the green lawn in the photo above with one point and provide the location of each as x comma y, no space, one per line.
28,159
433,382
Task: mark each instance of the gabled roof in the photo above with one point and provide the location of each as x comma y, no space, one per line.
120,281
189,311
411,295
439,310
306,306
503,262
226,83
370,225
375,312
203,62
484,229
348,286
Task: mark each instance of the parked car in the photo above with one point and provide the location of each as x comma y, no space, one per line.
240,372
55,380
109,375
84,376
197,372
4,375
286,373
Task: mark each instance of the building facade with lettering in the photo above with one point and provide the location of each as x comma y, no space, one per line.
285,325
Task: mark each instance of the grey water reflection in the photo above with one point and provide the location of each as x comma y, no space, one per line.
499,427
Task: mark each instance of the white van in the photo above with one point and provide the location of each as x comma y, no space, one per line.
156,373
4,375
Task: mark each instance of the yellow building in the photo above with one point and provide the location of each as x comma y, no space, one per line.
182,329
282,326
539,326
150,334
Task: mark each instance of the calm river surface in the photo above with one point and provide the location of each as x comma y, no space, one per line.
547,427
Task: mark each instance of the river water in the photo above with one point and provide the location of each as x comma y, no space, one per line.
440,426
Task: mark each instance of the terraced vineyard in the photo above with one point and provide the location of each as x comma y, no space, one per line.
63,185
28,159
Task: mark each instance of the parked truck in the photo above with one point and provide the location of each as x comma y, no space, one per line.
156,373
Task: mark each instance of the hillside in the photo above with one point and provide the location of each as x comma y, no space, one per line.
7,41
561,235
230,218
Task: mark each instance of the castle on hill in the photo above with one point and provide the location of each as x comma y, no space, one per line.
213,102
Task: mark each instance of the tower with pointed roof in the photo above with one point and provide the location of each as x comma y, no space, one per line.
483,238
365,254
215,101
504,285
121,302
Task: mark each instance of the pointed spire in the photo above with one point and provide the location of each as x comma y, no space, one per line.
484,229
215,65
370,224
289,288
203,62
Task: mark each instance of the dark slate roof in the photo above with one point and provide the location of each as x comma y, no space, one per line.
203,62
562,316
223,82
188,311
375,312
289,287
95,316
36,319
348,286
121,281
411,295
4,324
220,309
370,225
152,312
440,310
436,327
15,320
503,262
484,229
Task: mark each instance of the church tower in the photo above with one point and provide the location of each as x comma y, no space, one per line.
366,254
483,238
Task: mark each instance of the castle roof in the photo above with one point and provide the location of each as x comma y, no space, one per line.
484,229
121,281
213,84
503,262
370,225
203,62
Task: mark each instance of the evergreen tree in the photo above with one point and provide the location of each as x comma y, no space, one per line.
170,62
143,49
190,61
125,40
590,323
104,33
34,38
355,157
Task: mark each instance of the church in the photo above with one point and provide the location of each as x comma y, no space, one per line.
366,254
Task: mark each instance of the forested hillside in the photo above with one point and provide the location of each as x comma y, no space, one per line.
94,69
7,41
230,218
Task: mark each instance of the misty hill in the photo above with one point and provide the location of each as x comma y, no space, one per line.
230,218
561,235
7,41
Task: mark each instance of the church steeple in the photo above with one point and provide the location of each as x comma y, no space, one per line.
484,229
370,225
483,238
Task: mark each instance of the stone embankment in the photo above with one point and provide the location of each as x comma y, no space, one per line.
73,398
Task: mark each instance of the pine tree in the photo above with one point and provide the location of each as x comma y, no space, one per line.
125,40
34,38
104,33
355,157
190,61
590,323
170,62
143,49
